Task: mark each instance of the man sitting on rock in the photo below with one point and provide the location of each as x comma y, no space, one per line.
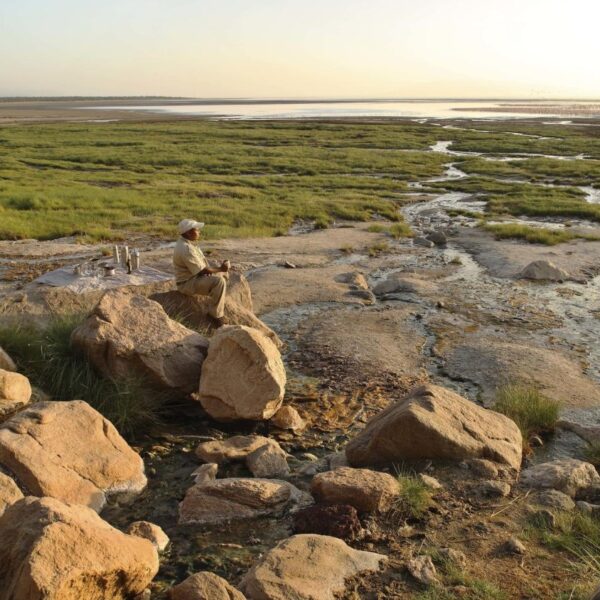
194,276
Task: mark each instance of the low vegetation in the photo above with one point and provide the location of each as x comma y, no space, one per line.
414,500
534,235
592,453
45,355
533,412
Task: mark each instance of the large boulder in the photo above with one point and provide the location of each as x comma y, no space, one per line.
193,310
205,586
69,451
567,475
128,335
543,270
6,362
367,491
307,567
55,551
9,492
236,498
432,422
243,376
15,392
263,456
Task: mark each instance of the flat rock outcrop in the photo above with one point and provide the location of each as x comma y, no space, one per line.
55,551
243,376
128,335
367,491
263,456
435,423
205,586
402,283
15,392
567,475
69,451
235,498
307,567
543,270
193,310
9,492
6,362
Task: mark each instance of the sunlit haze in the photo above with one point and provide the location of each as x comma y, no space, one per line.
285,48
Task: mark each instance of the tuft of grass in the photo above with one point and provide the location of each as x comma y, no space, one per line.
377,228
377,249
534,235
400,230
414,500
347,249
533,412
45,355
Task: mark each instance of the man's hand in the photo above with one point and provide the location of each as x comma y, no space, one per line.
225,266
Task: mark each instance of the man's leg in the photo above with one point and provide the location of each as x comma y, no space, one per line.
213,286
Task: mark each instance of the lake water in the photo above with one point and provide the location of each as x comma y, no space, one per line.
414,109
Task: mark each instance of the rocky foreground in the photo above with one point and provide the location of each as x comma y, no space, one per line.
298,492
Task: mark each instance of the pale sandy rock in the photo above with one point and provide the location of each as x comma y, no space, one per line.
231,449
9,492
423,570
435,423
194,309
151,532
243,376
454,556
567,475
130,335
54,551
554,499
431,482
69,451
15,392
6,362
492,489
355,279
543,270
307,567
237,498
367,491
205,586
268,461
401,283
205,473
287,417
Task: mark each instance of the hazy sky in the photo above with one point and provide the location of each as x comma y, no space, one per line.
308,48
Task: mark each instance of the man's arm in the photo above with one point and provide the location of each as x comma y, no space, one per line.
222,269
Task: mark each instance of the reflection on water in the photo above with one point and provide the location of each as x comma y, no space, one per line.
418,110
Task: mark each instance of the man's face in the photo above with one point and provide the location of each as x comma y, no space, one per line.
192,234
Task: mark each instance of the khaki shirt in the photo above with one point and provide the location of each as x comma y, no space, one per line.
188,260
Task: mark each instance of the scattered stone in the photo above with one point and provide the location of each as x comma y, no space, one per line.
289,265
69,451
6,362
367,296
193,310
307,567
483,468
456,557
423,570
399,283
205,586
438,238
589,433
567,475
243,376
287,417
431,482
237,498
149,531
50,550
588,508
421,241
264,456
367,491
205,473
543,270
554,499
436,423
15,392
9,492
339,520
128,334
535,441
492,489
354,279
515,546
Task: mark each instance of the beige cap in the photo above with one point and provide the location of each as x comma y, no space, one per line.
187,224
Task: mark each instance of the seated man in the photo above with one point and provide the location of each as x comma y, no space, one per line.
194,276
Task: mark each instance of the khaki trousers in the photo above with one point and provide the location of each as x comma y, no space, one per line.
213,286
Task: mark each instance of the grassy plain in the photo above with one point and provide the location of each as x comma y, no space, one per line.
106,181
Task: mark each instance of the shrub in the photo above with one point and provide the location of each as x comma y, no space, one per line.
377,249
414,500
400,230
533,412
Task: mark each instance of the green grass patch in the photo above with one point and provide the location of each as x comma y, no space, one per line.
533,412
377,249
534,235
45,355
414,500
